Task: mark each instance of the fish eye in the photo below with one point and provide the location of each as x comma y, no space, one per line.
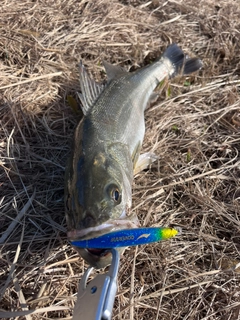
114,193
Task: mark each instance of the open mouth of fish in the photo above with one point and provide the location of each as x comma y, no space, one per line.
94,232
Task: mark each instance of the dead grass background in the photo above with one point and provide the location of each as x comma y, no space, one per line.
194,128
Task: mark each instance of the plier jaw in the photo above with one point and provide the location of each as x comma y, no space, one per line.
95,300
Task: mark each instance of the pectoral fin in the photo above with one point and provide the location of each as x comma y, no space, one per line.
153,98
144,161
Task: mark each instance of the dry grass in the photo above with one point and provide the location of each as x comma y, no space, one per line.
194,129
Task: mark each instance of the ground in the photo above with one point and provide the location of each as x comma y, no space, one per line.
193,127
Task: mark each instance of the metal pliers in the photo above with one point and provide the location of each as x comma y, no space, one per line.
95,300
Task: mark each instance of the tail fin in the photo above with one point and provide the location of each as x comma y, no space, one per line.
192,65
180,61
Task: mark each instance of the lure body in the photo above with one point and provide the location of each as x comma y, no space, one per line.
128,237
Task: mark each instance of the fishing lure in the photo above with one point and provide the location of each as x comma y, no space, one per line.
128,237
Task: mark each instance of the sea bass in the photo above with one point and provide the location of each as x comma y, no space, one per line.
106,148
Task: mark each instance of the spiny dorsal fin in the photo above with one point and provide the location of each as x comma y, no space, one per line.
90,90
113,71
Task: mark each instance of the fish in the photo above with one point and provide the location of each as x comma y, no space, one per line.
106,148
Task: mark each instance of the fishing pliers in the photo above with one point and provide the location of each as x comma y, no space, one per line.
95,300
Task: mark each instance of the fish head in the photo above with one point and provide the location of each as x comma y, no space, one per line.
98,191
98,200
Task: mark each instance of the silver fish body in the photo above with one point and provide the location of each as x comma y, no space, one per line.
106,149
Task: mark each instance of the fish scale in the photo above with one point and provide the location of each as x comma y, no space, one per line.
121,106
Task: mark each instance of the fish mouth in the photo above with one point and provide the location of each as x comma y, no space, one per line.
100,258
94,232
97,258
97,252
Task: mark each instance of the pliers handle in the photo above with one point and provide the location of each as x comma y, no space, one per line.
95,300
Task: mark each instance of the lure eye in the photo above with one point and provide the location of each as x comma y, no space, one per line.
114,193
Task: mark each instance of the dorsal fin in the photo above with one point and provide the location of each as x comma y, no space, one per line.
113,71
90,90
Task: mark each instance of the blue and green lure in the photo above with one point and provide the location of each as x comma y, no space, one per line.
128,237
